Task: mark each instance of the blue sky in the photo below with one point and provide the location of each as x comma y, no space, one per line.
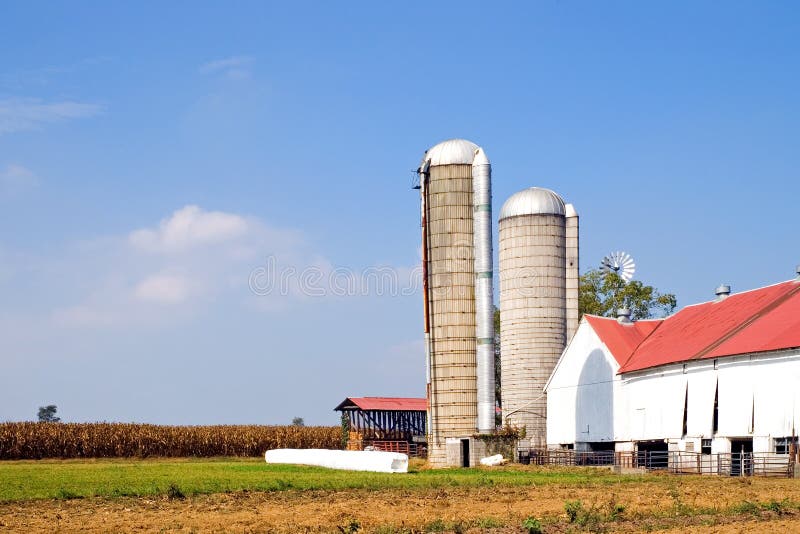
154,155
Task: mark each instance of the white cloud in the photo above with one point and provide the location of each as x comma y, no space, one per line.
168,272
15,177
18,114
190,227
163,288
41,76
193,261
235,67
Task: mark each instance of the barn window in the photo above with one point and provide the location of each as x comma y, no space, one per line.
705,446
782,445
715,419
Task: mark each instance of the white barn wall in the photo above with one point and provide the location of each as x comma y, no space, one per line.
775,384
654,404
595,399
702,382
581,392
759,389
735,397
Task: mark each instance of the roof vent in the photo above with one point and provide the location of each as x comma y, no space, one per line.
723,292
624,315
797,271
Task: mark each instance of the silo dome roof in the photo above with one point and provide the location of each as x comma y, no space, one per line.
533,201
452,152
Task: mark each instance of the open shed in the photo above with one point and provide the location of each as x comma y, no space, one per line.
386,423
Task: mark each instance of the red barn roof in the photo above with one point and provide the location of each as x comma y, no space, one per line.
404,404
761,320
621,339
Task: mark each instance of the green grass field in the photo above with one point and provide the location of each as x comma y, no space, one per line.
47,479
247,495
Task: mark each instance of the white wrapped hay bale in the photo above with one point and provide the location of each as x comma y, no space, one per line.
497,459
376,461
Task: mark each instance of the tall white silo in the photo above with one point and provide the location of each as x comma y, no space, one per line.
533,304
455,190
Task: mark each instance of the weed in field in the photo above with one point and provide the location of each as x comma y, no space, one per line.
614,509
573,508
587,518
174,492
437,525
117,492
532,525
389,529
779,507
678,506
66,494
283,484
755,508
748,507
351,527
397,530
487,522
484,480
460,526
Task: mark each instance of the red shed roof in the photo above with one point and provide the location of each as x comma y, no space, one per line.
761,320
404,404
621,339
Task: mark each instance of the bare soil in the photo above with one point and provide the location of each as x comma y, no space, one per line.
664,503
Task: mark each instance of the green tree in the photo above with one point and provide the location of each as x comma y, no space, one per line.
603,293
47,414
298,421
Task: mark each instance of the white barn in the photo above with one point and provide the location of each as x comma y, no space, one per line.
714,378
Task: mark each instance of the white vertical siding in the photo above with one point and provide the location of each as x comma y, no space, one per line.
581,392
775,384
735,397
655,404
702,382
758,389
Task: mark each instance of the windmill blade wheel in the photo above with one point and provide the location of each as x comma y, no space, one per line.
620,263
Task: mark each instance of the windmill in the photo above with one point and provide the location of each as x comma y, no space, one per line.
620,263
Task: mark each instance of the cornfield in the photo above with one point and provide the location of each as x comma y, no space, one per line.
20,441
